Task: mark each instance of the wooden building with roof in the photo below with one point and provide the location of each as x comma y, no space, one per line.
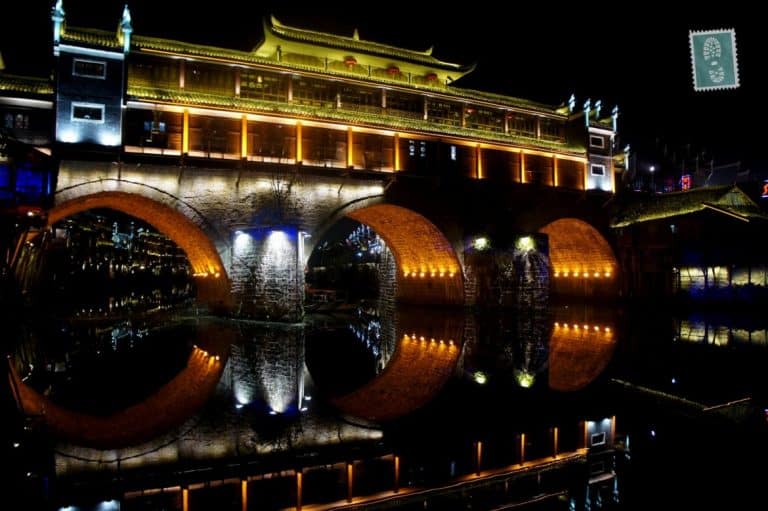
699,243
303,97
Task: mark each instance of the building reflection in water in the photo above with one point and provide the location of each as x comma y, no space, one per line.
720,331
261,403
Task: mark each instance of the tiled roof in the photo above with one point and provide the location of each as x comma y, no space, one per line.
91,37
356,44
107,39
725,199
27,85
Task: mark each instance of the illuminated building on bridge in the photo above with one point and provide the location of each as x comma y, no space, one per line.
303,96
219,148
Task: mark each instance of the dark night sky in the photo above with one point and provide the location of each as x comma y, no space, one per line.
638,59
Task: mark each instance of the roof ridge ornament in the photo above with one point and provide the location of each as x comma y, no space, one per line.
57,16
587,108
125,29
356,35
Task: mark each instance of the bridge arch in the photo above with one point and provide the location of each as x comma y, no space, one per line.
207,266
578,251
428,269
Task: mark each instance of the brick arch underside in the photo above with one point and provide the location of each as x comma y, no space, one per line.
576,246
210,275
428,270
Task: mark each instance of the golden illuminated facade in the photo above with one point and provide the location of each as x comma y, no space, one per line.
312,98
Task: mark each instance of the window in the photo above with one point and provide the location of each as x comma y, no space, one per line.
597,170
597,439
21,122
596,468
89,68
595,141
411,148
453,152
87,112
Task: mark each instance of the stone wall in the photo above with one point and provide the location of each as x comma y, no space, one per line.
265,277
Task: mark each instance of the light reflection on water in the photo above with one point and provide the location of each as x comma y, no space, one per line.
291,391
264,373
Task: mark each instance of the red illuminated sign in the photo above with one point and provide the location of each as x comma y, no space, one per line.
685,182
764,195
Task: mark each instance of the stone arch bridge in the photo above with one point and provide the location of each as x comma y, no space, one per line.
248,235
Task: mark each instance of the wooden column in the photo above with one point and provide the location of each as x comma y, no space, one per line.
185,499
522,448
479,158
397,474
244,137
555,441
185,132
299,151
244,495
299,489
478,457
350,148
182,73
350,480
522,167
237,82
554,170
396,142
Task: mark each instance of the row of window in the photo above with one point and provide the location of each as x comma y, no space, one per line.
17,121
279,87
228,129
156,132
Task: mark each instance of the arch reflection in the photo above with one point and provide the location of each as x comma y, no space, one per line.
425,350
169,406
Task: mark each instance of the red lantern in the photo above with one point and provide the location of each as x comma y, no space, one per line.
393,70
350,61
432,77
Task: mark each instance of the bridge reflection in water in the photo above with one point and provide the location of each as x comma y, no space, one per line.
246,406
